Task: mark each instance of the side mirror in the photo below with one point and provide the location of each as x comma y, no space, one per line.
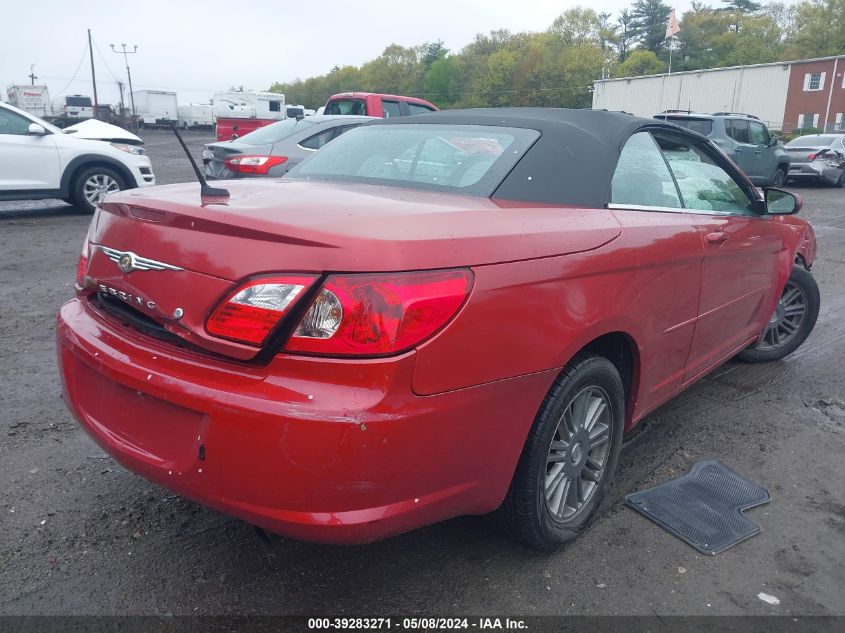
773,140
36,130
780,202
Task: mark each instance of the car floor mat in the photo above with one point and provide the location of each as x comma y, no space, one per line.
704,507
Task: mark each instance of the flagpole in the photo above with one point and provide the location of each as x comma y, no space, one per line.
671,42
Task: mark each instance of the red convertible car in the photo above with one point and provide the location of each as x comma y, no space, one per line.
449,315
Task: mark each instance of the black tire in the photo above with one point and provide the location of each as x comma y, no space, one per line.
841,182
80,187
768,348
184,125
780,177
526,513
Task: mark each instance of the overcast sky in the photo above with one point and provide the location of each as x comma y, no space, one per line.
201,47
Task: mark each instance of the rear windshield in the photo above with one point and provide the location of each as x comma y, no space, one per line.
467,159
78,102
274,132
702,126
812,140
346,106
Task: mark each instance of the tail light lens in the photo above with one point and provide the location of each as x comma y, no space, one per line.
811,156
382,314
253,164
250,313
82,266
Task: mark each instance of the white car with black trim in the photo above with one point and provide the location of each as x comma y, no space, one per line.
39,160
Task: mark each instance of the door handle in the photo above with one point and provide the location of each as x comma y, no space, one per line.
717,237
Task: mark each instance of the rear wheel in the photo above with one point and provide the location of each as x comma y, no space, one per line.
92,184
792,321
841,181
779,179
570,456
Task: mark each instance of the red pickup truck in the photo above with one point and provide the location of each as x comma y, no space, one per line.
380,105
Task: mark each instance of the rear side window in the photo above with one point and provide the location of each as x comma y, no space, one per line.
702,126
316,141
468,159
417,108
737,129
347,106
391,108
642,177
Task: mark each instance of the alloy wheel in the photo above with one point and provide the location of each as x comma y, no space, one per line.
97,186
578,453
786,321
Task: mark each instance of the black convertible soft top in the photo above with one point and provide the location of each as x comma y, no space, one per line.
573,161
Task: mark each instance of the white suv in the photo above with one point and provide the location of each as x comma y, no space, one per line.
38,160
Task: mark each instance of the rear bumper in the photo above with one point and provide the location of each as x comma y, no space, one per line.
817,170
322,450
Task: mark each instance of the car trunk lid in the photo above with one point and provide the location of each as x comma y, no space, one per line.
272,226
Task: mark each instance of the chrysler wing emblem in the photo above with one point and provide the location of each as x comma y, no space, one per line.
128,261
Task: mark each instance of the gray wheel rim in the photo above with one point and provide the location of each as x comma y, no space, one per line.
97,186
787,319
780,178
579,453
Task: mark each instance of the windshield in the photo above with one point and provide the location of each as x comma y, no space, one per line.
274,132
469,159
812,140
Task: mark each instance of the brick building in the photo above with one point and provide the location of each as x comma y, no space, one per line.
785,95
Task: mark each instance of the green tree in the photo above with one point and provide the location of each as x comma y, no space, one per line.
650,19
819,28
444,82
640,62
433,52
626,34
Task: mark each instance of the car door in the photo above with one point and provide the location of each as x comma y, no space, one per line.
666,253
741,250
765,159
743,151
28,162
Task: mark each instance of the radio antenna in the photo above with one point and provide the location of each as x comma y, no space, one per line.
206,190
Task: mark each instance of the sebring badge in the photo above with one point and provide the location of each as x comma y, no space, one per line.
128,261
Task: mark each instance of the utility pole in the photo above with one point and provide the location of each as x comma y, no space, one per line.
128,74
93,76
32,75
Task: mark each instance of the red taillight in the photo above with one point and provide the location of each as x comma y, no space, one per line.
82,266
253,164
811,156
250,313
379,314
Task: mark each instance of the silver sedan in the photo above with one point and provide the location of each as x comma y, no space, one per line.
817,158
272,150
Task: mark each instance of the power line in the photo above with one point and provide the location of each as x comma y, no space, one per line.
75,72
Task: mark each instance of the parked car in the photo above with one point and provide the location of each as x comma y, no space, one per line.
428,319
274,149
817,158
742,137
378,105
41,161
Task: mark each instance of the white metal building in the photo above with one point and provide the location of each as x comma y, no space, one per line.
764,90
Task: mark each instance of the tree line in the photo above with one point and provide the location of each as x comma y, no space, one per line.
557,67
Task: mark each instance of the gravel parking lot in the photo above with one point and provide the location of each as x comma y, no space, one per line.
83,536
